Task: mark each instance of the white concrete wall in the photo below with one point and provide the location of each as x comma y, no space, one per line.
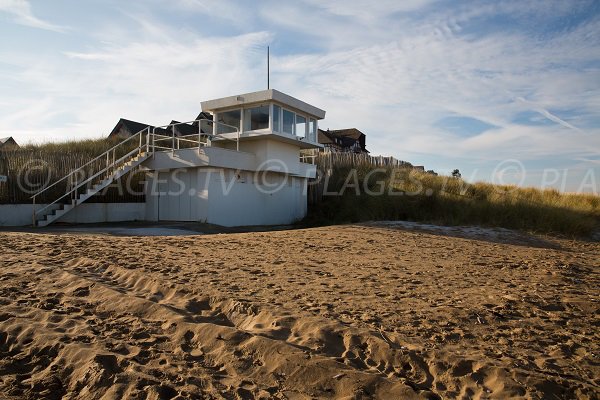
225,197
21,214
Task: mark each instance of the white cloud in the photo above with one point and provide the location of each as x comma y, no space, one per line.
392,69
151,81
22,13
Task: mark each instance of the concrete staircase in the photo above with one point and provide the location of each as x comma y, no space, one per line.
52,215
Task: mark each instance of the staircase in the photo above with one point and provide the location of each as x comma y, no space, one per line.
97,175
94,176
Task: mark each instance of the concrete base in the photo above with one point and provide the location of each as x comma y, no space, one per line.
21,214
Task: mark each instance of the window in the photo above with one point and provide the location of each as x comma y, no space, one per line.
300,125
312,130
288,122
276,118
256,118
228,118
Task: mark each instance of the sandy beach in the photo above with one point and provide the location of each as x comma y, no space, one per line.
387,311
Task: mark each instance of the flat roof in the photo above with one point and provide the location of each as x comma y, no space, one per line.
261,97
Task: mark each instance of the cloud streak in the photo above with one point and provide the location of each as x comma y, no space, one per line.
22,14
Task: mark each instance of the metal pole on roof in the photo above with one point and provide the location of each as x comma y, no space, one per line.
268,68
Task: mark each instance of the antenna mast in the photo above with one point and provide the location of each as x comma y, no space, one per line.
268,68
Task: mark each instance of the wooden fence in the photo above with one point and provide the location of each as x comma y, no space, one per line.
27,171
329,161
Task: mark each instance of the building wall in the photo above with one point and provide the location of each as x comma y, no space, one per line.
225,197
21,214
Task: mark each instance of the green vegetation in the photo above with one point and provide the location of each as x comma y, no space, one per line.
407,194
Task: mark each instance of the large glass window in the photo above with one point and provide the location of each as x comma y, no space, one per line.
256,118
276,118
229,118
312,130
288,122
300,126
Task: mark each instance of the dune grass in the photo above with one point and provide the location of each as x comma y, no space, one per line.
31,167
412,195
92,147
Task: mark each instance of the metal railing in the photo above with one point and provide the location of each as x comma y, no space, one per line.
107,164
190,139
92,169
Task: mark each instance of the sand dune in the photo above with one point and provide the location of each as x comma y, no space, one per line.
354,312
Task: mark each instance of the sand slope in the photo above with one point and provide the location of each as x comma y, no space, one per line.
339,312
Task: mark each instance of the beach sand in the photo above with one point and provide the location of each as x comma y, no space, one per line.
389,311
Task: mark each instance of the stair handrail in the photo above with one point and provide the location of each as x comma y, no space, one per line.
106,153
150,148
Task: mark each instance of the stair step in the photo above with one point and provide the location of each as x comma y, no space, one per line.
114,172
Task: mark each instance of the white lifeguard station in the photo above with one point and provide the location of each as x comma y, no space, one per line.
243,167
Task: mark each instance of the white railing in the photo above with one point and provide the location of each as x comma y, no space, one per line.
96,167
177,140
308,159
106,164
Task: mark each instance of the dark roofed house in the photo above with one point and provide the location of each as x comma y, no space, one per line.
182,129
203,115
126,128
343,140
8,142
204,118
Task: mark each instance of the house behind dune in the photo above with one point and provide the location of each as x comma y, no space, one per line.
8,143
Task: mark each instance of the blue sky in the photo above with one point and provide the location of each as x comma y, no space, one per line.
489,87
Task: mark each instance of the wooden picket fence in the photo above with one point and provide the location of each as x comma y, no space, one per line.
29,170
327,162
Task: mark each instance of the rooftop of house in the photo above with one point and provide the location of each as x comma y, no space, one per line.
8,141
348,132
132,126
270,95
345,138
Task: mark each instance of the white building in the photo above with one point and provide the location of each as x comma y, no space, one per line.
256,180
249,171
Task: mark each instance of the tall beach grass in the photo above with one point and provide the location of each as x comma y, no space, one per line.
368,192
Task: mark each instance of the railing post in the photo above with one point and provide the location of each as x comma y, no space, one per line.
199,134
148,141
33,213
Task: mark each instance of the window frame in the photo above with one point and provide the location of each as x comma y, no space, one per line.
293,123
247,109
218,122
272,118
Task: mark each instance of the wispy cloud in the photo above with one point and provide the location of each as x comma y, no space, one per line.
392,69
23,15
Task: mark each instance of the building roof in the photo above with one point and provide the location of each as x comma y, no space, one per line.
344,138
183,129
8,141
203,115
349,132
132,127
261,97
